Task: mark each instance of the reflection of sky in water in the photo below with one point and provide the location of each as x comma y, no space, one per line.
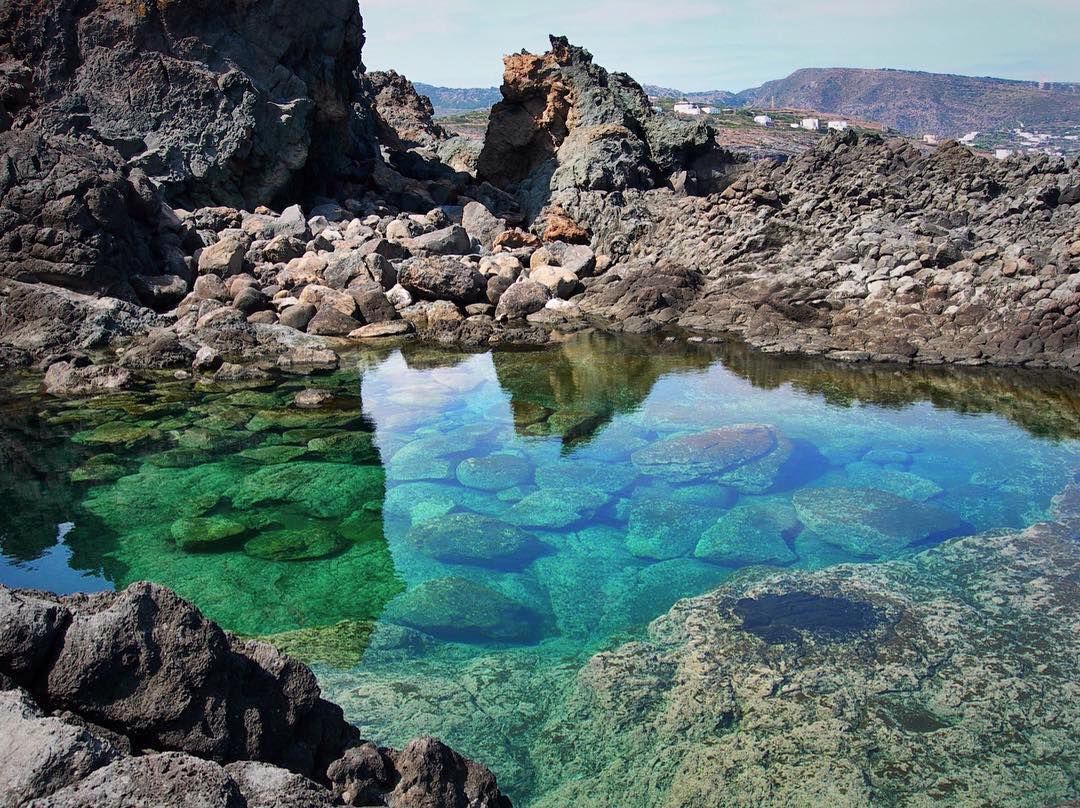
52,570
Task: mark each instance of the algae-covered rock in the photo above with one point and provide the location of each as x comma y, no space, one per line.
320,489
340,645
463,611
118,433
869,522
273,455
99,469
494,472
758,476
470,538
753,532
553,508
585,475
688,457
661,529
345,447
296,544
902,483
195,535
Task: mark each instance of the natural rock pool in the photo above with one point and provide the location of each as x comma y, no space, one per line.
450,538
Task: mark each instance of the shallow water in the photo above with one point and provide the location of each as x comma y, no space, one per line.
452,538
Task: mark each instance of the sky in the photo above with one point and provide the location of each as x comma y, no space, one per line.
727,44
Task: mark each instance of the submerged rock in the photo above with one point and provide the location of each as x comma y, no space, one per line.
555,508
662,529
196,535
469,538
292,544
787,617
462,611
688,457
868,522
751,533
494,472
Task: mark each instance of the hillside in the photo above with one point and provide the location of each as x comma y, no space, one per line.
453,101
921,103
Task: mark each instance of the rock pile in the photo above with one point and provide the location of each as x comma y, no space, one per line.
136,698
860,249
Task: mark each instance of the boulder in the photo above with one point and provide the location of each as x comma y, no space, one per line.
330,322
224,258
470,538
562,282
871,523
482,225
451,240
444,279
41,754
169,778
519,299
394,328
463,611
371,302
308,359
70,379
297,316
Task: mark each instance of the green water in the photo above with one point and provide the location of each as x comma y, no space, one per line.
451,537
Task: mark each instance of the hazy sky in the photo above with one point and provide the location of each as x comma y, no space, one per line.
727,44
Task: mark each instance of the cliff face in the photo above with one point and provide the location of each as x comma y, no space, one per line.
218,104
567,123
104,104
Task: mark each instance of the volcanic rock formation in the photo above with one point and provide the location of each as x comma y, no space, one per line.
567,123
136,698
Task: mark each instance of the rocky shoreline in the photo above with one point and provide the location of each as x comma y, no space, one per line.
136,698
583,208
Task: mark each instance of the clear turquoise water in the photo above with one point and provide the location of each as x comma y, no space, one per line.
452,538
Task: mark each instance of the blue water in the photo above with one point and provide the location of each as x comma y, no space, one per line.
452,538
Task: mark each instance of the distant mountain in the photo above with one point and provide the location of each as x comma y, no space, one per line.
702,97
922,103
912,102
453,101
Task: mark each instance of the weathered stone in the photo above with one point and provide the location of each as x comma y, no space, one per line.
443,279
519,299
470,538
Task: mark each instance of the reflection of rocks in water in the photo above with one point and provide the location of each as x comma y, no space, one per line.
35,489
898,693
1045,403
574,389
786,617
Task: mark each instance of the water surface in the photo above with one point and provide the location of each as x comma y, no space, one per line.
451,537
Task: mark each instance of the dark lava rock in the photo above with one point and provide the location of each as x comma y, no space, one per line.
148,665
444,278
167,779
784,618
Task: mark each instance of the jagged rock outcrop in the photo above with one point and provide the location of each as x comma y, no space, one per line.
218,105
135,697
566,123
405,117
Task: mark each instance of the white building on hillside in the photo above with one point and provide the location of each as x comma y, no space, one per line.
1003,154
763,120
838,126
969,138
686,108
930,140
813,124
708,110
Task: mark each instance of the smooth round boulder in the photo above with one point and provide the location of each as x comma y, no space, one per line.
494,472
872,523
470,538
